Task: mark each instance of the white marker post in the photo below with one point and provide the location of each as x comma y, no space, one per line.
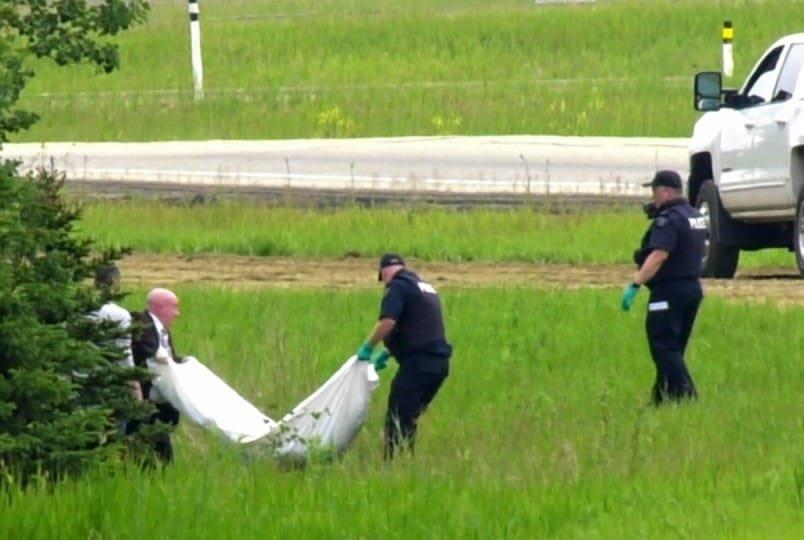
195,50
728,60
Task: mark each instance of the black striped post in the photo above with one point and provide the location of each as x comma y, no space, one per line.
195,50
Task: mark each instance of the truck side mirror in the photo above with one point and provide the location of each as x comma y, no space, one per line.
708,88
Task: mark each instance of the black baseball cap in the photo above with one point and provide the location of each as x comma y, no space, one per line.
389,259
665,178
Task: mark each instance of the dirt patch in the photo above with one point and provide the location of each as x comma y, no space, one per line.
780,285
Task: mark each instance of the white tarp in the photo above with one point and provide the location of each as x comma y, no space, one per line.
333,415
330,418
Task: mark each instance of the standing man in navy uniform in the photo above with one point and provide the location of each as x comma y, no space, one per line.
669,263
412,327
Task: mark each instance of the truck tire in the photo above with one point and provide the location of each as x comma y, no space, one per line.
798,234
719,261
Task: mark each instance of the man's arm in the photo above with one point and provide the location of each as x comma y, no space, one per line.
393,303
144,340
381,330
651,266
128,361
136,390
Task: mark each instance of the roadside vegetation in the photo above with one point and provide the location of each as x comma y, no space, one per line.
433,234
299,69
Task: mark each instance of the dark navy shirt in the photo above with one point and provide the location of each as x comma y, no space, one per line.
680,230
415,306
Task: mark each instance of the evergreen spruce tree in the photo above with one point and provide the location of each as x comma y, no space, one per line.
62,391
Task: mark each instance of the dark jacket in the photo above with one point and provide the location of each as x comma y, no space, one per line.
145,343
418,336
680,230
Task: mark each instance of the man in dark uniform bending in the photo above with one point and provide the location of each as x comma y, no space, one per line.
669,263
412,327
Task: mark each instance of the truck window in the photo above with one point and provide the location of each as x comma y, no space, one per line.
760,87
790,72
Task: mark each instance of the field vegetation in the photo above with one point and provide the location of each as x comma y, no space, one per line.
542,429
367,68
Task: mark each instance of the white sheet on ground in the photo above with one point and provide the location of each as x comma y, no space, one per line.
331,417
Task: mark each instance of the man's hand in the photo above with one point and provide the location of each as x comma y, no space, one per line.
161,356
364,352
381,360
136,390
629,294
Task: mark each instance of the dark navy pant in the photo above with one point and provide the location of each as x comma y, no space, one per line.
671,315
412,390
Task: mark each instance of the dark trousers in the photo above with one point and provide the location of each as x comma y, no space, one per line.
167,414
412,390
671,315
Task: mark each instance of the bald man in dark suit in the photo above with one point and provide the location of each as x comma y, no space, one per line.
151,340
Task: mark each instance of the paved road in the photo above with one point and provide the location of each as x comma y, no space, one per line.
472,165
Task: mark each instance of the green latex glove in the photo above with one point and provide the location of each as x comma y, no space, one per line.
629,294
381,360
364,352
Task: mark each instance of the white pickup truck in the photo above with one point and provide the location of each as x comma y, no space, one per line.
747,159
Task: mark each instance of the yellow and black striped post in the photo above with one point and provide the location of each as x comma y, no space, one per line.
728,60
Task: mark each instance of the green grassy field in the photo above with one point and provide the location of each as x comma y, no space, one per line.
608,236
365,68
542,429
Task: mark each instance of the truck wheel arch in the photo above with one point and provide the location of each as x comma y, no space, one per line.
797,170
700,171
721,257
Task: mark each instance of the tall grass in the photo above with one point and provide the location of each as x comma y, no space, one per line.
541,429
360,68
608,236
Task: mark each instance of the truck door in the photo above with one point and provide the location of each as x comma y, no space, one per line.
771,148
735,163
738,183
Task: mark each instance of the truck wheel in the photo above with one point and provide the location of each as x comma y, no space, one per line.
798,234
719,261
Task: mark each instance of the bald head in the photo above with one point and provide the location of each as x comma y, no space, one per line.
164,305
